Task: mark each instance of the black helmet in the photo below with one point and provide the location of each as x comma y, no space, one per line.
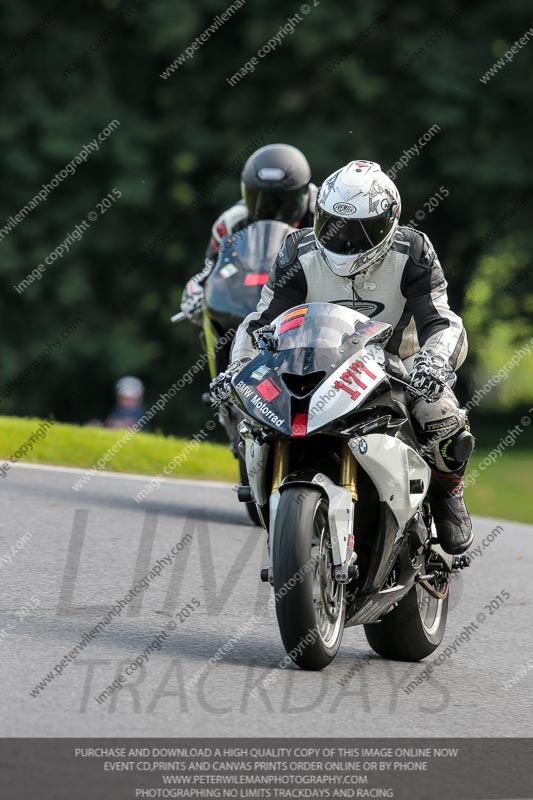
274,183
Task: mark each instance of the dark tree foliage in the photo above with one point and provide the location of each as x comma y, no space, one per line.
363,80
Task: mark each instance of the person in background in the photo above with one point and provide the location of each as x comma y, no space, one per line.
129,407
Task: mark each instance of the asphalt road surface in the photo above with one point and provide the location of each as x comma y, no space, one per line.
67,556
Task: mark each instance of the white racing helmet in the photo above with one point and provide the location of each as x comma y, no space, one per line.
356,217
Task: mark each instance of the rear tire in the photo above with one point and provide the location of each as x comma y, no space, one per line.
310,604
413,630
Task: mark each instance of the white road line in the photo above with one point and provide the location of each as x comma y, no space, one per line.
127,476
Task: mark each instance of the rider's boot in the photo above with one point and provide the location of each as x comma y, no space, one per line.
452,521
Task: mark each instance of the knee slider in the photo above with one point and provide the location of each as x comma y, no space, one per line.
458,448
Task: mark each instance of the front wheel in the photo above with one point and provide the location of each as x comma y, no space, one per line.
414,629
310,604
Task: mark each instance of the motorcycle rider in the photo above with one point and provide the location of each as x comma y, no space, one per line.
275,185
357,255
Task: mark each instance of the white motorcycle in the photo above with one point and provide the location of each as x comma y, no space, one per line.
340,484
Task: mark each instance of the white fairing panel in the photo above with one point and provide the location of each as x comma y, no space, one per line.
274,503
256,456
340,517
392,465
344,390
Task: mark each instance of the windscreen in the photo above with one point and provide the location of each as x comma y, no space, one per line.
244,262
256,246
311,344
316,325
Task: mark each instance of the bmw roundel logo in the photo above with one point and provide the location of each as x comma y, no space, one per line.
363,446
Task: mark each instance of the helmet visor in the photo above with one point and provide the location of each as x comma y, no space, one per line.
284,205
350,237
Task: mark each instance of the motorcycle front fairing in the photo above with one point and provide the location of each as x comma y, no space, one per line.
233,288
243,265
317,375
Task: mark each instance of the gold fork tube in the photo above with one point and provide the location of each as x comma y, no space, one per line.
348,471
280,465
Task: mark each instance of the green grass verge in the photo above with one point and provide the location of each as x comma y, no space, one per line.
502,491
146,453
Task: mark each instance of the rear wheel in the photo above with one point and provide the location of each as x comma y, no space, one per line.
415,628
310,604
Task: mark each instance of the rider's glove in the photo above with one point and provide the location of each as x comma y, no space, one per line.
219,388
429,375
263,338
192,301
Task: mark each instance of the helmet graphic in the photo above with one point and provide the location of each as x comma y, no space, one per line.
356,217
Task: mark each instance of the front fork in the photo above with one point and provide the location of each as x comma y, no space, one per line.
280,466
348,471
210,340
280,463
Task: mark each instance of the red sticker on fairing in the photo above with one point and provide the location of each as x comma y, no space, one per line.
299,425
268,389
256,279
296,322
221,229
372,327
296,312
293,319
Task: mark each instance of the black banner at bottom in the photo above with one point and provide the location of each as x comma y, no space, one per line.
404,769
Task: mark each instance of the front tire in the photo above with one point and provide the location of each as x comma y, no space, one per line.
310,604
413,630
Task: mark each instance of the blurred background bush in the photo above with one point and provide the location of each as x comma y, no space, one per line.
361,80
